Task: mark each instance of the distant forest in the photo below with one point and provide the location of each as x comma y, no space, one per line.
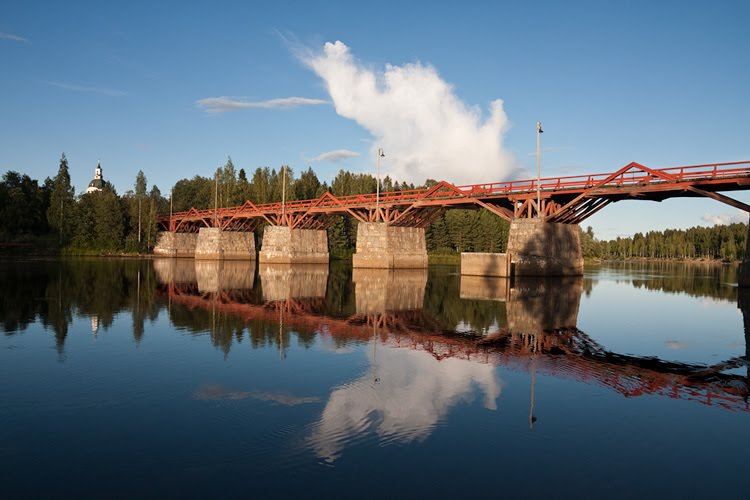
105,222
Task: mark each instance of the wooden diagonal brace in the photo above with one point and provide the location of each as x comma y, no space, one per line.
722,198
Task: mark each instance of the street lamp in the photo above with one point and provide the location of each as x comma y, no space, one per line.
539,132
377,196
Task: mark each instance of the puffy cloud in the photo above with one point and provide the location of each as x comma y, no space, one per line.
425,130
725,218
335,156
224,104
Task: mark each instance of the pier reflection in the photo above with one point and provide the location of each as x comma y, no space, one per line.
535,332
175,270
379,291
743,303
289,281
532,304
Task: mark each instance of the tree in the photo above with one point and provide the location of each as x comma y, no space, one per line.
24,205
307,186
60,211
227,180
140,195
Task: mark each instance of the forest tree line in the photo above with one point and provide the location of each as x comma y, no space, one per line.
107,222
720,242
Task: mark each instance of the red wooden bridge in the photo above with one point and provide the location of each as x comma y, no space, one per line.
568,200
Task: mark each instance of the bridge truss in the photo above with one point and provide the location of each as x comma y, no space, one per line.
568,200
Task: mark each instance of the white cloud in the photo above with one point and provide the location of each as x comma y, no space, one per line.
15,38
725,218
335,156
425,130
83,88
224,104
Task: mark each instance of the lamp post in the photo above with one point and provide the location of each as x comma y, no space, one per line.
377,196
539,132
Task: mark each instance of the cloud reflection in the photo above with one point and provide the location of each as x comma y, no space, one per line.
404,395
217,392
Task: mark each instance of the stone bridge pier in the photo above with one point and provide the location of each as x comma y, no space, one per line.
169,244
380,246
284,245
535,248
215,244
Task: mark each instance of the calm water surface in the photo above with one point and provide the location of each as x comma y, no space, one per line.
180,378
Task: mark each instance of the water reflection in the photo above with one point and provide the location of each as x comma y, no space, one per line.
287,281
402,398
218,392
369,360
175,270
526,325
743,303
532,304
389,290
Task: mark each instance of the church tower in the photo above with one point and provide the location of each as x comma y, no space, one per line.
98,183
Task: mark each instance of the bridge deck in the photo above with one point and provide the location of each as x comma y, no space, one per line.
569,199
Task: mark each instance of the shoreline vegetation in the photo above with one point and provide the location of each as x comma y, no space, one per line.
48,218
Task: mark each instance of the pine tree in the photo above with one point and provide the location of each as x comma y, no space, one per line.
140,196
59,214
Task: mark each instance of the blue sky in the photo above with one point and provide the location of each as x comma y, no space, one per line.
661,83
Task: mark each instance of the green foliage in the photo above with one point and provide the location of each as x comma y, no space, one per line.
99,221
724,242
61,206
103,221
193,193
467,231
24,204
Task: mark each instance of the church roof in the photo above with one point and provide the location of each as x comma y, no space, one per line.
98,183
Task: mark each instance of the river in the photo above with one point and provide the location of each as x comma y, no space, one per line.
182,378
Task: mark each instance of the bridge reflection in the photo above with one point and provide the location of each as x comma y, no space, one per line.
538,332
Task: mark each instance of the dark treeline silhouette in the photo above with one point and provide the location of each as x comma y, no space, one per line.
720,242
104,221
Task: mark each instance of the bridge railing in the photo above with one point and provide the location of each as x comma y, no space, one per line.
547,184
673,174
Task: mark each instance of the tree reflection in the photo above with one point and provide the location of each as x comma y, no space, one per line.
440,314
